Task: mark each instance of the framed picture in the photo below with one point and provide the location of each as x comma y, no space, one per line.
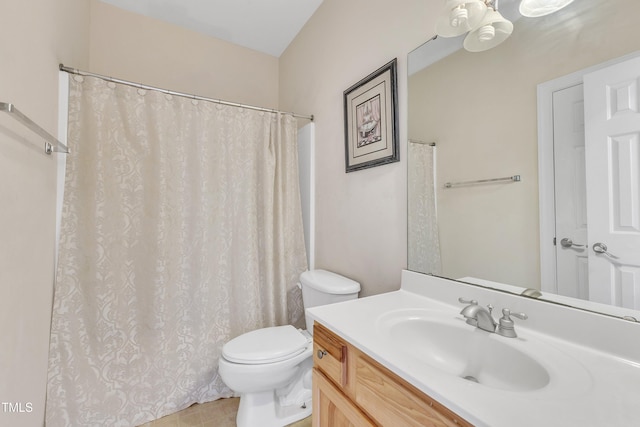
371,121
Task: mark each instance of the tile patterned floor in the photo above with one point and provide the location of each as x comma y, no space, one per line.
219,413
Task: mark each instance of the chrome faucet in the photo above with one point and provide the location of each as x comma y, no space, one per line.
481,318
478,316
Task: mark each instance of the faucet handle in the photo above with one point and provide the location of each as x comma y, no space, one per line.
506,326
467,301
506,313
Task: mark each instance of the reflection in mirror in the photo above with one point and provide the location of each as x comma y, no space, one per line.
491,115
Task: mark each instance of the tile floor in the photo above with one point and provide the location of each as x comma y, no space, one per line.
219,413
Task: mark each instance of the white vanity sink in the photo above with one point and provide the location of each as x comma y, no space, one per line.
449,344
565,367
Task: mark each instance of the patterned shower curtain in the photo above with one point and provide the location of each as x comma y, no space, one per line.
424,240
181,229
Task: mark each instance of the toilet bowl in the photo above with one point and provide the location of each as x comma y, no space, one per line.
271,367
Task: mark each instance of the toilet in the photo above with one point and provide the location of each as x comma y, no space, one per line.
271,367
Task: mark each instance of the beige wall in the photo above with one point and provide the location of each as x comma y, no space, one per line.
361,216
480,108
145,50
37,35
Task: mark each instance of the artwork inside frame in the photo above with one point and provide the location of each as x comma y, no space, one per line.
371,120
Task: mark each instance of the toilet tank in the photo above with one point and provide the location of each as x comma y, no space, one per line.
321,287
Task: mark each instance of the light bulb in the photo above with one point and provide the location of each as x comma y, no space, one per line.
459,16
486,33
492,31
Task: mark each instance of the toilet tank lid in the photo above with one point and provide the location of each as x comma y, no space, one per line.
329,282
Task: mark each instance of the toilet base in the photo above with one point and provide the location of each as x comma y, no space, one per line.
263,410
280,407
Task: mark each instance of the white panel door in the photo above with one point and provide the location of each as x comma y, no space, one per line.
612,141
570,193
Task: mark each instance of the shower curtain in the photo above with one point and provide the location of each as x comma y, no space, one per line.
424,241
181,229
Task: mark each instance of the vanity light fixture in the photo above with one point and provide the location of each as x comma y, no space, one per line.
485,26
537,8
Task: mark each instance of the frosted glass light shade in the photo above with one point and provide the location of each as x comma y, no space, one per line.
460,16
537,8
492,30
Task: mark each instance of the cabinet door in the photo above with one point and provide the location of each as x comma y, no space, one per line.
331,408
392,401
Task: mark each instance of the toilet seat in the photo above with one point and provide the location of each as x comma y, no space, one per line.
266,345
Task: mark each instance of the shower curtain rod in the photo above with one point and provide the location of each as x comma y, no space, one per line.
170,92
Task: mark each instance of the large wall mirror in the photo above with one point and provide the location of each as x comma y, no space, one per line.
514,170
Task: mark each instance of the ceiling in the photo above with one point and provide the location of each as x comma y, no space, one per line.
267,26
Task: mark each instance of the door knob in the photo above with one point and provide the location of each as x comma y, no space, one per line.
601,248
568,243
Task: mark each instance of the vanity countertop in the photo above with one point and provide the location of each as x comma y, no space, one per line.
588,386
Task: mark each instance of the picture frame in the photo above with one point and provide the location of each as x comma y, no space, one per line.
371,120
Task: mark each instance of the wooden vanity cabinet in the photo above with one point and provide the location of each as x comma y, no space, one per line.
331,408
351,389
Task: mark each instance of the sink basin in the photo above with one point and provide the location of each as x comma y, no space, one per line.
448,344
